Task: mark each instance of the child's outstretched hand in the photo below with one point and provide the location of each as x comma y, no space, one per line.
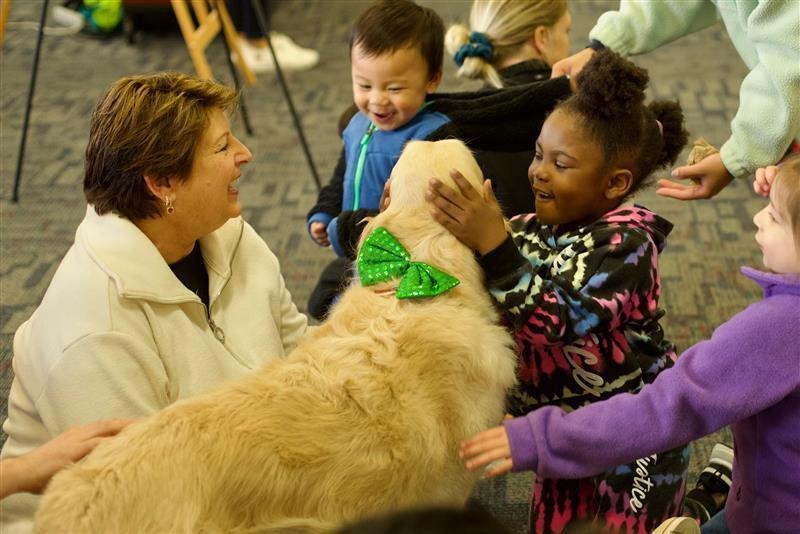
319,233
475,219
709,177
764,178
485,448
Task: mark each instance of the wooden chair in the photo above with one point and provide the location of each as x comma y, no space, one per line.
5,8
212,17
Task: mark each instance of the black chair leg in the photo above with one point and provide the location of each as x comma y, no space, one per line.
29,103
262,22
237,84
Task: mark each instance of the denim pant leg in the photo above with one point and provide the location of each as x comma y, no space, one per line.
715,525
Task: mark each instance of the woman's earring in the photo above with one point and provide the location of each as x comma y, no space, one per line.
168,204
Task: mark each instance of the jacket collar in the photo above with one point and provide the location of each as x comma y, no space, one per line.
138,270
774,283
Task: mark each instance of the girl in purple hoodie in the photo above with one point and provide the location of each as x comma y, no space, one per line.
747,376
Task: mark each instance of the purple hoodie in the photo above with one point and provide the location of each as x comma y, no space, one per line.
747,375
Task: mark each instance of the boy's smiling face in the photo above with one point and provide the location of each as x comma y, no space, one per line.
390,88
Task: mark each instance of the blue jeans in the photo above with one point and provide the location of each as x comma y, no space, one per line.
715,525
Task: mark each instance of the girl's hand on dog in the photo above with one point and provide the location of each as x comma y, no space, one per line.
489,448
475,219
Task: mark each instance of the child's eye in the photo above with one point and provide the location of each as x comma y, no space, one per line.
364,87
395,89
537,156
560,166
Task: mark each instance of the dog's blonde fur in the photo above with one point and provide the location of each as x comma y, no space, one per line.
363,417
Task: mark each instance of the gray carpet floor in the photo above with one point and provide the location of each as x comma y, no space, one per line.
710,241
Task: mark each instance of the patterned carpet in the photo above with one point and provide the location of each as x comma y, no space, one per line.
711,239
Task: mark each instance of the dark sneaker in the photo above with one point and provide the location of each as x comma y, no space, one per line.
709,495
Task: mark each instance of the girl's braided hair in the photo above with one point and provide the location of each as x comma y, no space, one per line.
610,103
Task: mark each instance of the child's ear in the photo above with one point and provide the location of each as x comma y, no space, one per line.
433,83
619,183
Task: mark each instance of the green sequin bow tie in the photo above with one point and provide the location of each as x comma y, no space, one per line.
383,258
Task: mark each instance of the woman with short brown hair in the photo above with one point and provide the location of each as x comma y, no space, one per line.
166,291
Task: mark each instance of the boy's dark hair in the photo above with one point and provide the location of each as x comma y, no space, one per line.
390,25
610,102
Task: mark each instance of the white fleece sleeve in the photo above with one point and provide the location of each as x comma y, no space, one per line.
768,118
644,25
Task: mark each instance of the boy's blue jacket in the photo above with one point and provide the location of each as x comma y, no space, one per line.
505,120
382,152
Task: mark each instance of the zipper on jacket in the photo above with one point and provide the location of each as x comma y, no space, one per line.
362,156
217,330
219,333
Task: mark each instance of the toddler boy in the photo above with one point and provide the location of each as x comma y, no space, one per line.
396,54
396,51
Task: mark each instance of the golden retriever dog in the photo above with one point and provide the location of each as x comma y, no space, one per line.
363,418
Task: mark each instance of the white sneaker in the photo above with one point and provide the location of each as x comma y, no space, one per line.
257,58
292,56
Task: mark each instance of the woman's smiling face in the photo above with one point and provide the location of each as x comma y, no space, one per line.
209,196
569,174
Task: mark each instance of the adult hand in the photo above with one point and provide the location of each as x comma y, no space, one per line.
319,233
474,218
709,177
571,66
764,178
31,472
490,446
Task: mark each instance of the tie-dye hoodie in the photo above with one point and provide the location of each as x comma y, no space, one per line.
583,304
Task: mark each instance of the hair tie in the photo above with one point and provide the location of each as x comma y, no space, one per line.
478,46
660,127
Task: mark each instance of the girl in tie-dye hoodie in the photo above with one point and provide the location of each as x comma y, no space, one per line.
578,281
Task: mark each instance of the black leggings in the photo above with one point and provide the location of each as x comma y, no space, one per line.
333,280
243,16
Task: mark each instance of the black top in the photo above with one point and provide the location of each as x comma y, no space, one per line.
191,271
508,171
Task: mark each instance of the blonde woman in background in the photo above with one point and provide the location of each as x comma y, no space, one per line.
510,42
